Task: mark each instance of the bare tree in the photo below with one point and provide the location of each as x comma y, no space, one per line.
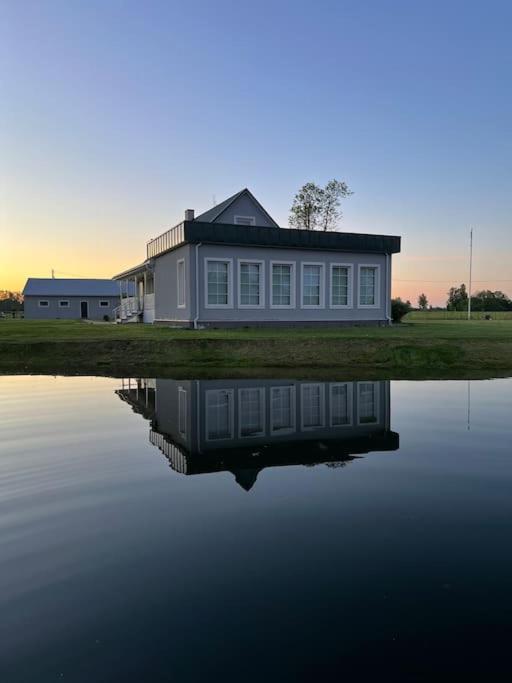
305,210
330,210
317,208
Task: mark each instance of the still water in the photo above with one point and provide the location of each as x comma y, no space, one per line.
273,530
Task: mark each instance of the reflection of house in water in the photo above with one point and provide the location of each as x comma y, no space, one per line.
243,426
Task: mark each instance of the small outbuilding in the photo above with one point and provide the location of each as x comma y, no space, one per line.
47,298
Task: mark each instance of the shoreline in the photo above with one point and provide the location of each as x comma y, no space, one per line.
386,357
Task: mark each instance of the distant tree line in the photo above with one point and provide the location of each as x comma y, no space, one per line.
485,300
10,301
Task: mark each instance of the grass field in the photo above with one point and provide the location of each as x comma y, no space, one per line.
416,316
436,345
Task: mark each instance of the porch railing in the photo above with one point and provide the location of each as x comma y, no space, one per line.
167,240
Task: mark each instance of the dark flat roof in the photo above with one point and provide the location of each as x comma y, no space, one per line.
257,236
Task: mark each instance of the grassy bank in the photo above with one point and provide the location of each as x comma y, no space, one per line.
426,316
436,348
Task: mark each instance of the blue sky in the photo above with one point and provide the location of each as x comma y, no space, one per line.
117,116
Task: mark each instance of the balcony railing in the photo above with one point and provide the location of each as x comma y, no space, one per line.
167,240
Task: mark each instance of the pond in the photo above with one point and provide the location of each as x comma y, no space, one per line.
186,530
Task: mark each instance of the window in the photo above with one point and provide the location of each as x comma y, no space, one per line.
251,409
150,284
312,285
64,303
341,285
181,283
341,404
312,412
250,284
367,402
182,411
245,220
283,285
218,284
104,304
282,410
219,414
43,303
368,286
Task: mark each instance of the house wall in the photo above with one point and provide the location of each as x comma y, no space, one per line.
195,437
244,206
166,294
166,285
34,312
354,313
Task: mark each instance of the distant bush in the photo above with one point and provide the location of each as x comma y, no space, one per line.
106,318
399,309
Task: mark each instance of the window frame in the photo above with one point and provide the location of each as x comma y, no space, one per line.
182,414
377,286
104,303
181,262
293,287
215,259
261,264
377,405
293,410
350,285
350,404
261,392
43,303
247,218
63,303
231,393
321,303
303,386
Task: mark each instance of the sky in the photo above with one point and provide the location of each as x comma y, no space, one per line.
116,116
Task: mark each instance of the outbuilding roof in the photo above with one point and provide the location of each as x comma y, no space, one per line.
48,286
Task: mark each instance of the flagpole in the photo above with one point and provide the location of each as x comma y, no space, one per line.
470,271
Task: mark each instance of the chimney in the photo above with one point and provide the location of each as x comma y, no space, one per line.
189,214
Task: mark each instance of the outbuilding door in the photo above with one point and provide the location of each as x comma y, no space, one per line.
84,309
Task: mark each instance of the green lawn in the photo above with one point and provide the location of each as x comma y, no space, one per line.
433,345
414,328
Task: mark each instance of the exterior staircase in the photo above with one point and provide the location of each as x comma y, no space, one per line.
129,311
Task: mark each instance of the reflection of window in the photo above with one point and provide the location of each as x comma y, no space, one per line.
219,414
341,404
341,285
368,285
251,281
251,411
312,405
367,402
218,283
282,410
282,285
182,411
312,285
181,283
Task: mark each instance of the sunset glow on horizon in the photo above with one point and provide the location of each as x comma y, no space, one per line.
120,117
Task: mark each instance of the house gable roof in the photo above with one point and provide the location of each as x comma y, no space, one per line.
38,286
215,213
